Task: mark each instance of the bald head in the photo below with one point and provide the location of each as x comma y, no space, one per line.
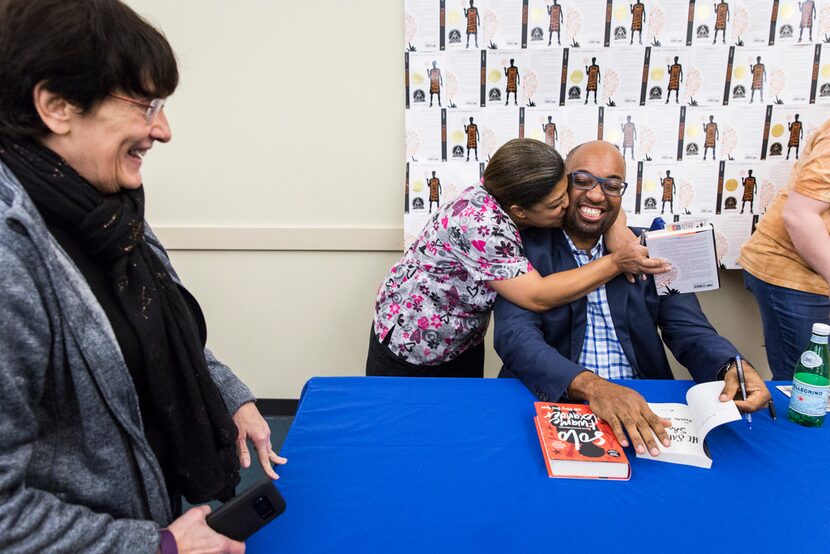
593,149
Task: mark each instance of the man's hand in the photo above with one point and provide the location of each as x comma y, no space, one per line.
757,395
625,410
253,427
193,535
632,258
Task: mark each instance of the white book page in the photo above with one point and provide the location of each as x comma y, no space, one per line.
692,255
707,410
686,442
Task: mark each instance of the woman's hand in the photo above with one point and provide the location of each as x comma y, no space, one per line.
253,427
632,258
193,534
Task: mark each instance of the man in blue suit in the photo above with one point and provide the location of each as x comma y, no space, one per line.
571,351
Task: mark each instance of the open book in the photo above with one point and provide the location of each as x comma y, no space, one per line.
690,248
691,423
577,444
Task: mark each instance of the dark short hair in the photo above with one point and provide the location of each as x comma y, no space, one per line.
81,50
523,172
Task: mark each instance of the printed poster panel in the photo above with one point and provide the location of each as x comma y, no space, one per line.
423,136
679,188
795,22
426,79
731,231
724,133
462,87
542,77
421,25
643,134
503,76
546,21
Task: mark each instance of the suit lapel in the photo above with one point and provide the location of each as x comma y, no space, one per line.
578,308
617,291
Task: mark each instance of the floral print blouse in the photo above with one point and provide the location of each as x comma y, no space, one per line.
435,301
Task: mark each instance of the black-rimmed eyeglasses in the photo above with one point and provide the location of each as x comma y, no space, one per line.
583,180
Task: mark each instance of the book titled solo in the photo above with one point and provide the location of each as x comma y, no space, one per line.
577,444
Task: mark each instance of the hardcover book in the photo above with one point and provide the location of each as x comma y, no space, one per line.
577,444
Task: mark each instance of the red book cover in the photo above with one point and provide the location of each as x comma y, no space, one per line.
577,444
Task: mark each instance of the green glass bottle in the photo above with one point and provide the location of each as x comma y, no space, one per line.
811,381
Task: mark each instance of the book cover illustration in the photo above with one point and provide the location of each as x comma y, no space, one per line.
691,422
795,22
666,22
675,188
622,72
584,24
576,443
504,77
643,134
772,75
546,23
426,79
731,231
724,133
667,75
628,22
704,76
587,68
430,186
791,127
423,136
463,27
462,79
502,24
822,95
541,77
464,132
422,30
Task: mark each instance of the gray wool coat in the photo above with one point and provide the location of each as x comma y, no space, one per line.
76,472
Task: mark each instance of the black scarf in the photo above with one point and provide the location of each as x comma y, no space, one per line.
183,396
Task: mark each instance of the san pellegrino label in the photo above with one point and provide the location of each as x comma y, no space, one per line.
809,400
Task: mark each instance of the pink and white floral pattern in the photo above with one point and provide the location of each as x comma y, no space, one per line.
436,300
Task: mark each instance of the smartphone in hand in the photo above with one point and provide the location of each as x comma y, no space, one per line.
246,513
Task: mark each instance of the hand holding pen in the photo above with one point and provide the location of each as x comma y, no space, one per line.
753,396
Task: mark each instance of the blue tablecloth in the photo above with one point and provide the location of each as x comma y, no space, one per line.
454,465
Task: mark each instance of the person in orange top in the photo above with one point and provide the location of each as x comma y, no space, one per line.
787,260
711,131
796,129
675,78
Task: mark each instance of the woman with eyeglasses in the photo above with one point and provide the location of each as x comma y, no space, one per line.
111,407
433,308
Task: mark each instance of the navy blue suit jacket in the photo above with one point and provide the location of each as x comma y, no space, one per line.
543,349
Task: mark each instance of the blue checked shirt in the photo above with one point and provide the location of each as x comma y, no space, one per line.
602,352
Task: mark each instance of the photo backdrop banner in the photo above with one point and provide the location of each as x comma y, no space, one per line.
710,103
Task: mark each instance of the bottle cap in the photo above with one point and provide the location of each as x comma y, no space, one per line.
821,329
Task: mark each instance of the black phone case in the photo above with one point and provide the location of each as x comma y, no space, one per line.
245,514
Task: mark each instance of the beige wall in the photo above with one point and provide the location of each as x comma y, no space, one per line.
280,196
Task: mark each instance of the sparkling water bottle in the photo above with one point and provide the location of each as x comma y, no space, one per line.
811,381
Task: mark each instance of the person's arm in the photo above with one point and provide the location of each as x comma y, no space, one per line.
534,292
519,341
687,333
802,218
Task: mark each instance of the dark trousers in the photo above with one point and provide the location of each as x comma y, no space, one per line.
787,316
383,362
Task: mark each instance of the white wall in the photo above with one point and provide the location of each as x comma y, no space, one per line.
280,195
